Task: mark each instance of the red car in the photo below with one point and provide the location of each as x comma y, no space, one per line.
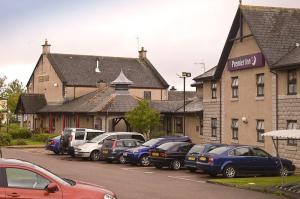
20,179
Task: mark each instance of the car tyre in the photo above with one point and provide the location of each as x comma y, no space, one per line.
229,171
283,171
122,159
95,156
145,161
175,165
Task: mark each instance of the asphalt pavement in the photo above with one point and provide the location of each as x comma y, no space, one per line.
132,182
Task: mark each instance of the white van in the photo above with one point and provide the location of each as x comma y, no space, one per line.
91,149
72,137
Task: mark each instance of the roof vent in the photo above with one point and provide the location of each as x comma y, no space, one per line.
97,69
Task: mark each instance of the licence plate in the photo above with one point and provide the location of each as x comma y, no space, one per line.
155,154
203,158
125,154
105,152
191,158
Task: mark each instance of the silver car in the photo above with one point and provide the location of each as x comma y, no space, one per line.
91,149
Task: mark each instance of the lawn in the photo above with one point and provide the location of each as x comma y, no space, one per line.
27,142
262,182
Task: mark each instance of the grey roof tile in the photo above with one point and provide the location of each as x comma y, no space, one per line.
178,95
30,103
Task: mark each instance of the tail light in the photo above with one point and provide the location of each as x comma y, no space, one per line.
210,160
52,142
163,154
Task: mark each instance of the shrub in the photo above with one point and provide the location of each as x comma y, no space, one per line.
42,137
21,133
21,142
5,139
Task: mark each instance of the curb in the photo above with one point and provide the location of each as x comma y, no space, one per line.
25,147
269,190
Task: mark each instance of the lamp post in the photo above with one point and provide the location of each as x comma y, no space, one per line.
184,75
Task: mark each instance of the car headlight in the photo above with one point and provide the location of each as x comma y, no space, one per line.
108,196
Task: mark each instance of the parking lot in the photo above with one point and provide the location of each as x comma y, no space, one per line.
131,182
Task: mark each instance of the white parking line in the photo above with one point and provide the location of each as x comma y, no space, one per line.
186,178
136,168
148,172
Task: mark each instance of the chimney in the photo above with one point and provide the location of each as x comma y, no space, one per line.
142,53
173,88
46,47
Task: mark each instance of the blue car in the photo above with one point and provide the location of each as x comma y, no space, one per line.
53,144
140,155
243,160
197,151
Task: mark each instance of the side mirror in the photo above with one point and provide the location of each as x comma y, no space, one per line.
52,187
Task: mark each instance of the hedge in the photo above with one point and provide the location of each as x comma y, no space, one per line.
20,133
5,139
42,137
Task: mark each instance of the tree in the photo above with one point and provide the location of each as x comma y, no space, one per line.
143,118
12,93
2,86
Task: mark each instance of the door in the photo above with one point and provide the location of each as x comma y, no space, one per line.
242,157
25,184
263,162
79,138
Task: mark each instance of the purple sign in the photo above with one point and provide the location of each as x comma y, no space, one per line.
247,61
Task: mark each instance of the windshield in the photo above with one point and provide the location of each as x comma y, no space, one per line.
197,149
98,138
219,150
151,142
55,177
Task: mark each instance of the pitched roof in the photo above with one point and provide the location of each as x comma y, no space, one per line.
121,104
166,106
276,31
193,106
207,75
121,79
79,70
178,95
30,103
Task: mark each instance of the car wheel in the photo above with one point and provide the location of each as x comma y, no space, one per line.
283,171
145,161
158,166
175,165
229,171
122,159
95,156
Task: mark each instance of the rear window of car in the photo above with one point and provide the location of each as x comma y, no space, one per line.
168,146
219,150
197,149
79,135
92,134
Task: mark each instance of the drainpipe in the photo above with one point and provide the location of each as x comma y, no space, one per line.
220,97
276,95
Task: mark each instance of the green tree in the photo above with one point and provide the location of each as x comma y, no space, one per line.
143,118
2,86
12,93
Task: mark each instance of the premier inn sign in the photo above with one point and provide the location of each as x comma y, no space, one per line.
247,61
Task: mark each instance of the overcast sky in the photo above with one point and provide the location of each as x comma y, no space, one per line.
178,34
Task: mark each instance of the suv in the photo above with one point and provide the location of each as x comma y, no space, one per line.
72,137
112,150
140,155
91,149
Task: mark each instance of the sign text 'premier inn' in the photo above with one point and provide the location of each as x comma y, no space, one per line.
247,61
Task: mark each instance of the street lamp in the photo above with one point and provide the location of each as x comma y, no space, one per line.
184,75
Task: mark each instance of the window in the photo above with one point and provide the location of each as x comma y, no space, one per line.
201,126
120,144
213,127
292,82
260,84
79,135
129,143
147,95
243,151
260,153
213,90
179,125
90,135
292,124
21,178
235,87
260,129
235,128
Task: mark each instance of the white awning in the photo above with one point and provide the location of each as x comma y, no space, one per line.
284,134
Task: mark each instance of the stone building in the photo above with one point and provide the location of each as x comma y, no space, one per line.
255,86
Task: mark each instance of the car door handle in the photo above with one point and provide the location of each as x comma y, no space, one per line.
14,195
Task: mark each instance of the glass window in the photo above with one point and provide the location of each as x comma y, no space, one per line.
201,126
79,135
129,143
244,151
291,124
260,84
120,144
138,137
90,135
22,178
260,152
292,82
235,87
147,95
179,125
213,90
213,127
260,129
235,128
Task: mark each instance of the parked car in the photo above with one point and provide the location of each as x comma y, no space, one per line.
53,144
238,160
91,149
140,155
112,150
72,137
170,154
20,179
197,151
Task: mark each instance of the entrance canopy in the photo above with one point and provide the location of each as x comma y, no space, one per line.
284,134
